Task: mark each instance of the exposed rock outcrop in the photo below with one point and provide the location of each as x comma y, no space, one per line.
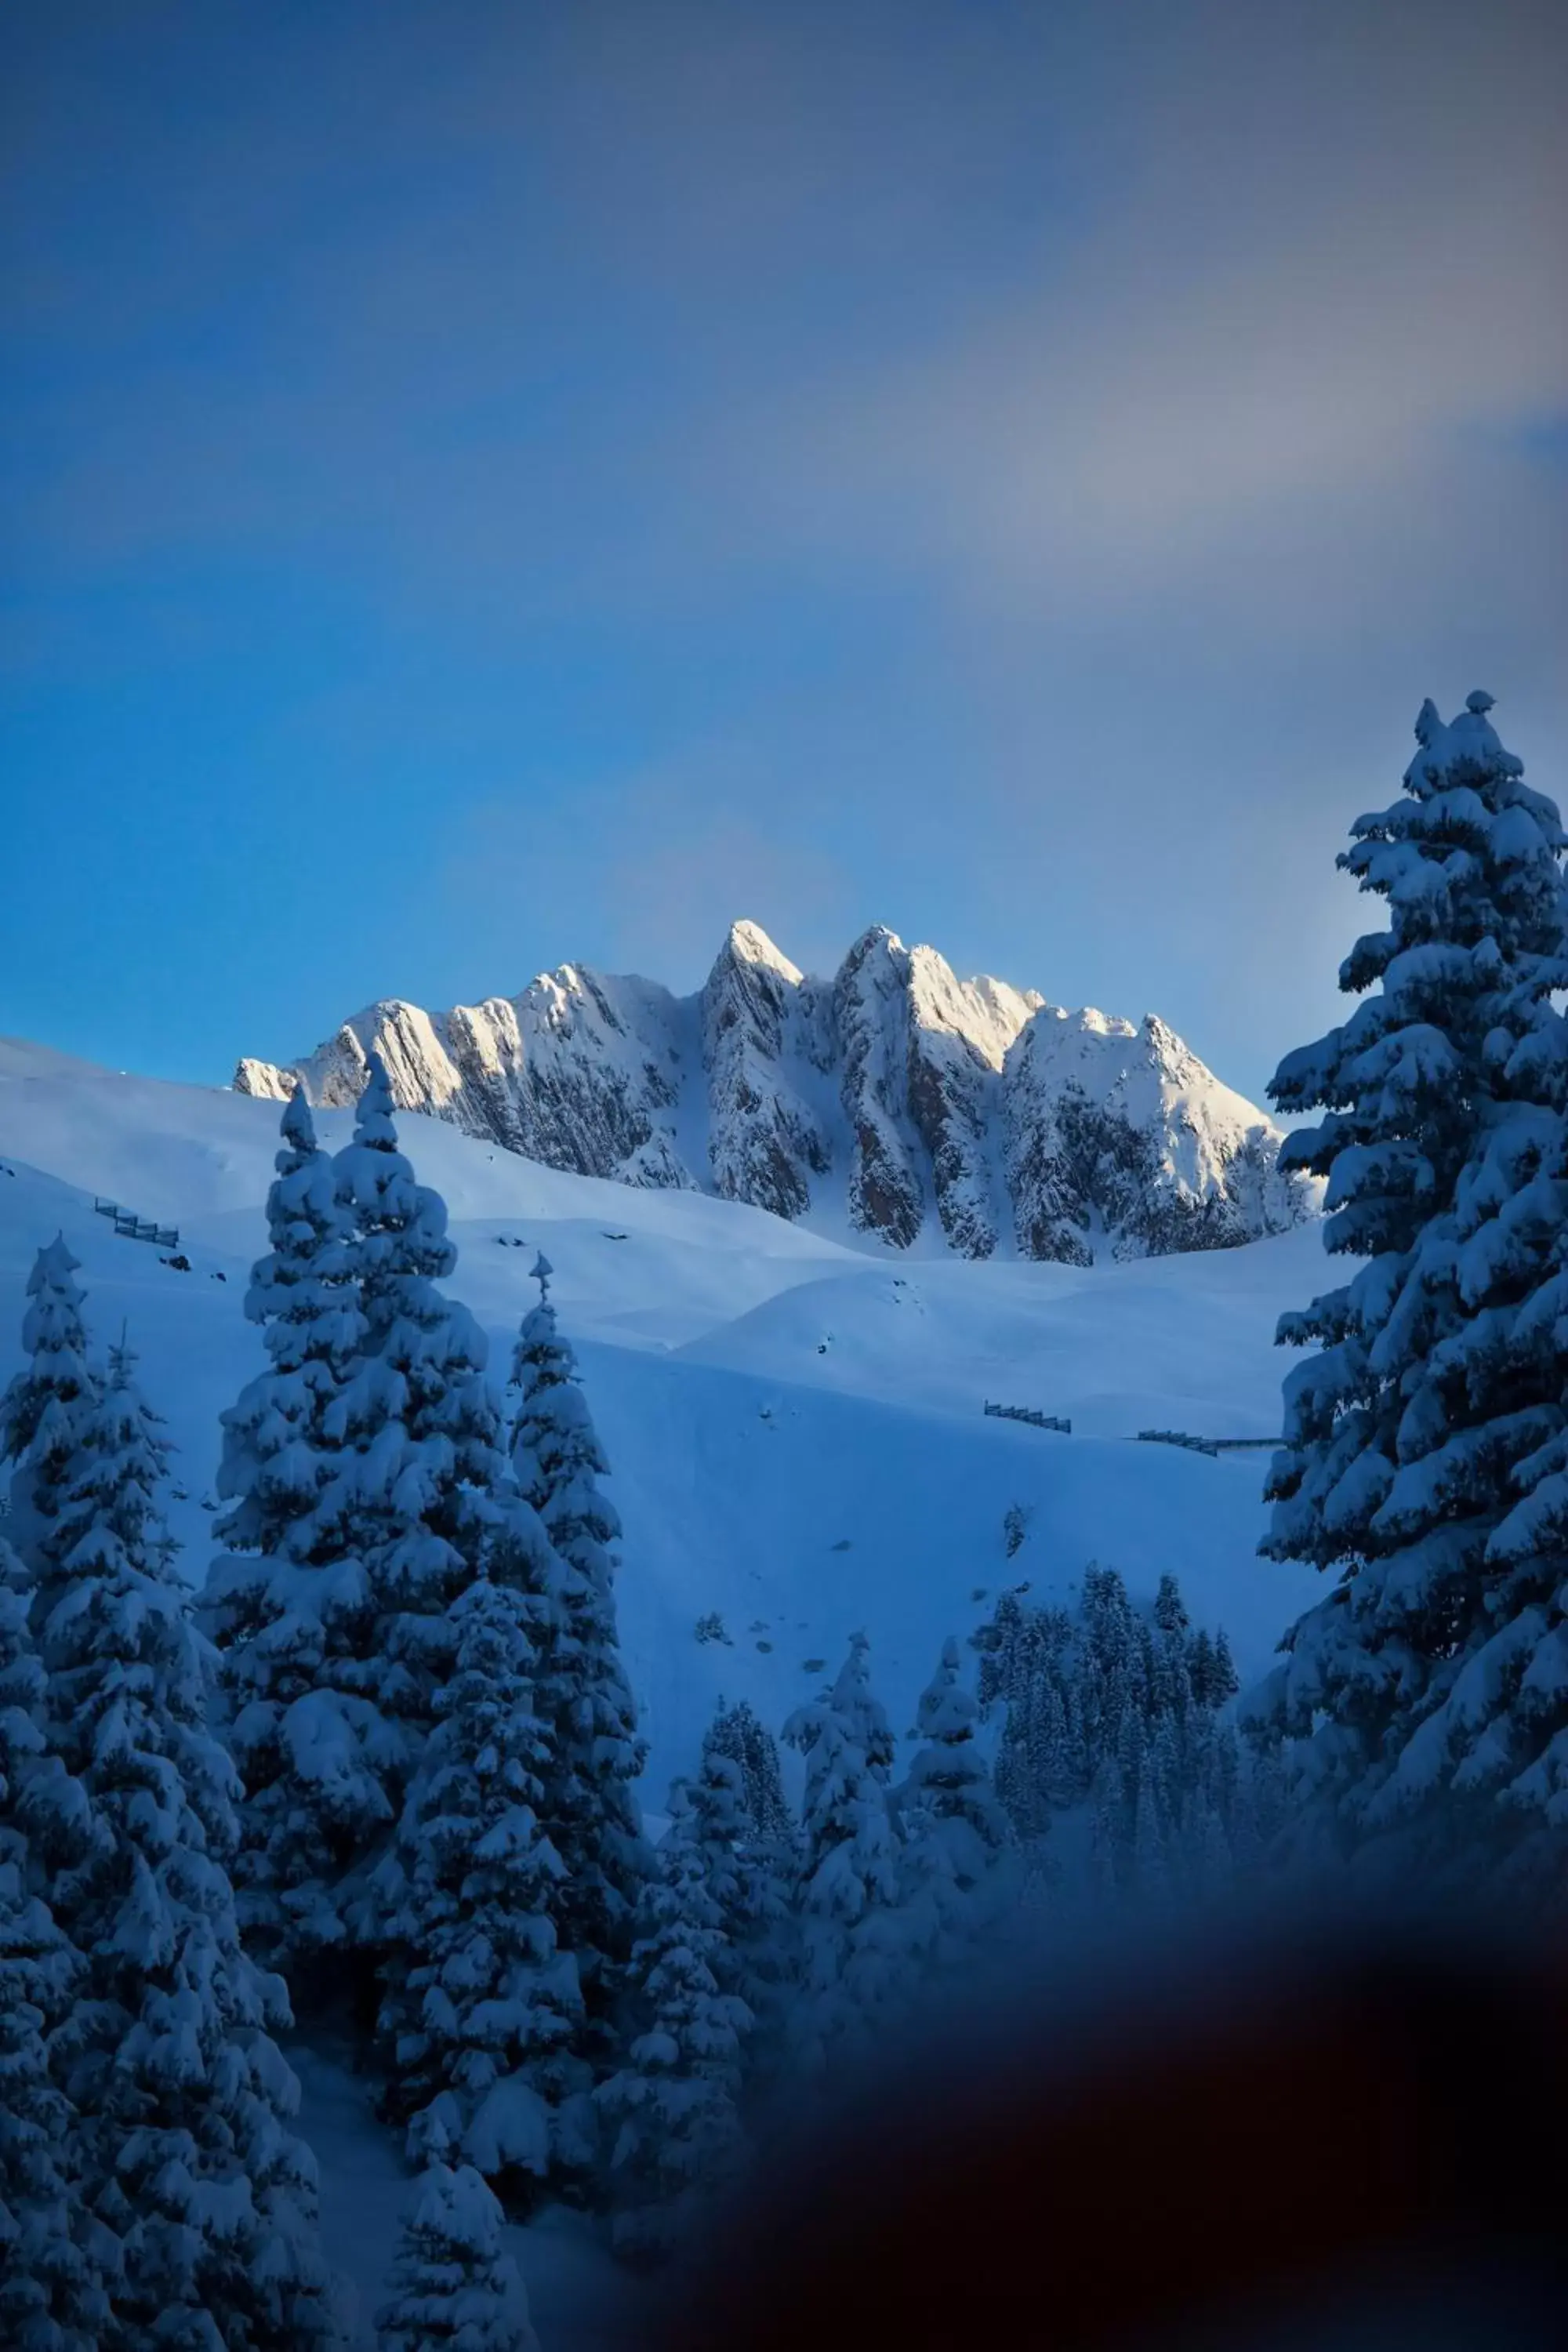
765,1034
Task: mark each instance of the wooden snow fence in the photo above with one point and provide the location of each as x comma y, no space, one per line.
130,1227
1212,1445
1027,1412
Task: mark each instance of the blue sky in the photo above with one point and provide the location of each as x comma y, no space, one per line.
492,485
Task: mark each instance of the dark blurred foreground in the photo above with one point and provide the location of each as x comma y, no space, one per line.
1309,2135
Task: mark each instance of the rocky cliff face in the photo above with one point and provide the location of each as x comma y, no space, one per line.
580,1071
871,1026
923,1107
961,1033
1119,1138
765,1037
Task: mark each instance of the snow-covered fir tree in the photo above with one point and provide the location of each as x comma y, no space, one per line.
166,2056
431,1468
482,2009
1041,1768
53,2254
716,1825
280,1440
742,1820
858,1940
45,1405
21,1705
1117,1661
289,1602
863,1711
740,1733
1426,1694
955,1832
1118,1712
455,2288
1067,1684
590,1807
1211,1669
1170,1671
367,1488
672,2107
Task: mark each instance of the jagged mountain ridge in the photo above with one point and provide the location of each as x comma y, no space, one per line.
964,1111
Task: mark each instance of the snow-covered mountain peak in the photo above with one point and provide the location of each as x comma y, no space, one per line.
874,939
986,1014
264,1079
746,942
964,1114
1091,1022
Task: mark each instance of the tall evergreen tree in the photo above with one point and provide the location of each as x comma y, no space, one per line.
1425,1685
45,1405
1040,1764
481,2007
1171,1618
745,1832
1223,1681
291,1602
1113,1669
740,1733
167,2055
956,1831
53,2255
454,2286
863,1711
367,1489
716,1824
857,1938
590,1800
280,1439
673,2103
424,1424
1171,1650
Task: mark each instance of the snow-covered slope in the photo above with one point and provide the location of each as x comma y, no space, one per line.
896,1098
794,1426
